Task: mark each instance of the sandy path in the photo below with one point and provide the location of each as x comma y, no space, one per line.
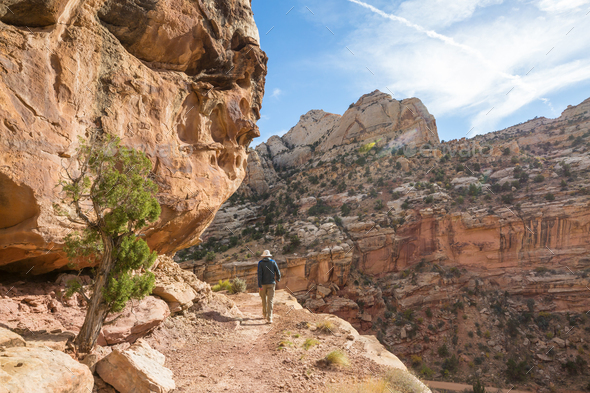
459,387
212,352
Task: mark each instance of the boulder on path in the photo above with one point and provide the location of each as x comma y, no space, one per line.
138,369
9,339
135,321
177,286
176,292
42,370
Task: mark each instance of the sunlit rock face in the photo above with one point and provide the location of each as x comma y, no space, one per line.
375,117
181,80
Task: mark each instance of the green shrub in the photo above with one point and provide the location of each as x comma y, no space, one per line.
319,208
443,351
576,367
474,190
549,197
539,179
238,285
508,198
516,371
426,372
409,314
345,209
416,360
479,387
451,364
222,286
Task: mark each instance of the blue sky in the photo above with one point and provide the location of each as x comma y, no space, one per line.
478,65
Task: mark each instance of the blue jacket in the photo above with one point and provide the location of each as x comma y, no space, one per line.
267,269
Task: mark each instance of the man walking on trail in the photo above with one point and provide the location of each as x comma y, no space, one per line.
267,270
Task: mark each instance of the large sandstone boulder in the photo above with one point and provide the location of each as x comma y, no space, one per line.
179,288
138,369
135,321
41,370
181,80
10,339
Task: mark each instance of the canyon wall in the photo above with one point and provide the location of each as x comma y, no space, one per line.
182,81
366,210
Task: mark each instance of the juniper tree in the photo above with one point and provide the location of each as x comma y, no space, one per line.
114,199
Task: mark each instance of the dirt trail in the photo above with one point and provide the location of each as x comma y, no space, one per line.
208,351
460,387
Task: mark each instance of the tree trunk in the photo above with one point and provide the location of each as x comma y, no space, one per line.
98,308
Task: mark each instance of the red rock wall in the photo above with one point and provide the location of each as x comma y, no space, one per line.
181,80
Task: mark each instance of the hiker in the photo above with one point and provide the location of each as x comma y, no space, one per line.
267,270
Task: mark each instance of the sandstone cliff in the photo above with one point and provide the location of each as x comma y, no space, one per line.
181,80
375,117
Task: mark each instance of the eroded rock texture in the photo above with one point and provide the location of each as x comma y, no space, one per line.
181,80
375,117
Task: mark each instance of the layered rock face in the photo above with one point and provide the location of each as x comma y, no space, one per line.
375,117
328,268
494,205
182,81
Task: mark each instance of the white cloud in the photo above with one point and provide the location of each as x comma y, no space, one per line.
468,65
560,5
276,92
437,13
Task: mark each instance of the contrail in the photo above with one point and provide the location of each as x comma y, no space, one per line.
435,35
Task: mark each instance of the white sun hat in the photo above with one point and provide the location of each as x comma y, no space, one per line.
266,253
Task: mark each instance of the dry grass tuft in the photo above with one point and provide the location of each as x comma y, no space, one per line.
309,342
284,344
369,386
325,326
337,358
394,381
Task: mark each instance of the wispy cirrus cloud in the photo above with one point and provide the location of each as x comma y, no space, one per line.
479,59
